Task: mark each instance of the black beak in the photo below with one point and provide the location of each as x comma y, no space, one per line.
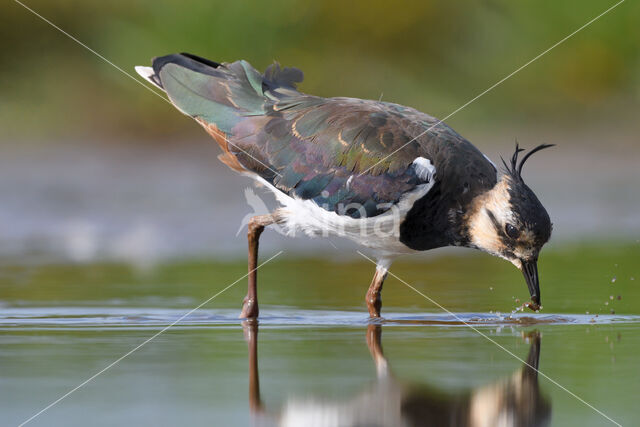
530,271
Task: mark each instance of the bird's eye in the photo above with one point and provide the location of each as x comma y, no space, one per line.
511,231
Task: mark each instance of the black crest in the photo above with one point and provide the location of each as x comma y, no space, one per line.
515,169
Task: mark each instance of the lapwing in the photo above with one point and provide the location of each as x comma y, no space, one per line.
389,177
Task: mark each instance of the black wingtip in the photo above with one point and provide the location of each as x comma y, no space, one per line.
187,60
201,59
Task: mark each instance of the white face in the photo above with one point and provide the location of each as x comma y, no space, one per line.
488,221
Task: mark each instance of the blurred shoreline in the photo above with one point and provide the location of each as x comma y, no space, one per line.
95,167
143,202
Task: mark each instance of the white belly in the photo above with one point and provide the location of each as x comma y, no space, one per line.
380,233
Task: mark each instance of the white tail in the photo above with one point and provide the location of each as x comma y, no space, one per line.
148,74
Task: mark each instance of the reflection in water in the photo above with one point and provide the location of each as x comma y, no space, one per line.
514,401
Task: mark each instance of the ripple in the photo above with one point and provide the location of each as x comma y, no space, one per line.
133,317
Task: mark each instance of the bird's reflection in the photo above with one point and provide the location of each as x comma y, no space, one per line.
513,401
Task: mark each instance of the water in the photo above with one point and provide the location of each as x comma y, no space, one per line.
200,374
314,355
39,318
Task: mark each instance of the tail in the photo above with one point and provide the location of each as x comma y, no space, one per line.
219,95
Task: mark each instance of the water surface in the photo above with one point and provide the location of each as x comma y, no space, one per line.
314,355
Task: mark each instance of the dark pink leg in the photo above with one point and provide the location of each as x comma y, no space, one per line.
256,227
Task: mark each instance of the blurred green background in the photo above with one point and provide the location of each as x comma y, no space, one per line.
432,55
116,217
94,165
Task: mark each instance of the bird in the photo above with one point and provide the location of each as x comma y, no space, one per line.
390,178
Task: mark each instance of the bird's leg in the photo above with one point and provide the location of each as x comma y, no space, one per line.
250,303
374,294
374,342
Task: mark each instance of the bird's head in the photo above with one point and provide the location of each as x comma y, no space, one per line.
510,222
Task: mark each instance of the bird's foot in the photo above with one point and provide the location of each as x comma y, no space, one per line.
374,304
249,309
533,306
374,314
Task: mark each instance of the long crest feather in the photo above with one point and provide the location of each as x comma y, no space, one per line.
514,169
535,150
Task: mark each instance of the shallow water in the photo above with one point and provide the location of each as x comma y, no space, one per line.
144,317
314,355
